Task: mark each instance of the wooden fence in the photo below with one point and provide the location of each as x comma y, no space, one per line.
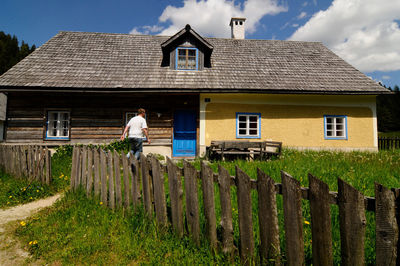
33,162
98,171
388,143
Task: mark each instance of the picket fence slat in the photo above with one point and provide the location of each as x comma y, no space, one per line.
352,224
224,184
320,222
245,217
192,201
84,167
146,185
48,166
96,163
159,193
73,167
387,231
268,220
136,194
103,182
111,186
293,219
126,180
89,184
117,174
176,194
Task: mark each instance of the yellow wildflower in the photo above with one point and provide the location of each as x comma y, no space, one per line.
10,197
8,202
306,222
37,191
34,242
24,189
22,223
101,203
30,198
30,242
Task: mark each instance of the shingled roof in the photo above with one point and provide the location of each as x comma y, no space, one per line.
123,62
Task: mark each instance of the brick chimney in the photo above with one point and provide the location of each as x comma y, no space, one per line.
237,28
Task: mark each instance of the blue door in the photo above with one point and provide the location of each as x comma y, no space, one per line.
184,143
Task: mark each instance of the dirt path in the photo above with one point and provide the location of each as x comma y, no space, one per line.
11,252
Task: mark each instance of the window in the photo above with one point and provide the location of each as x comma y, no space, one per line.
248,125
57,125
335,126
130,115
186,59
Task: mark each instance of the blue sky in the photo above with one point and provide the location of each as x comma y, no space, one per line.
365,33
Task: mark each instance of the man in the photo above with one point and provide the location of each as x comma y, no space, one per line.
137,127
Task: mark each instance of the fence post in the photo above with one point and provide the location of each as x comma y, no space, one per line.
117,174
224,184
78,168
96,181
48,166
293,219
126,179
320,222
103,182
192,201
74,167
84,167
146,185
89,184
159,193
386,226
352,224
111,187
135,181
245,216
176,194
268,219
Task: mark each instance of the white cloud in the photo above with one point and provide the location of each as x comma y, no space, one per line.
295,25
302,15
305,4
146,29
212,17
386,77
363,32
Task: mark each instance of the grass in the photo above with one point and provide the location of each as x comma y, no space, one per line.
78,230
15,191
81,231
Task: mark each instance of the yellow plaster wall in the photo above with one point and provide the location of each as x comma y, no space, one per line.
294,125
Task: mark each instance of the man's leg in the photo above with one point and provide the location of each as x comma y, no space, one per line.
138,148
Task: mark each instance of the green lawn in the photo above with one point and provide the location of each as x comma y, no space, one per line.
79,230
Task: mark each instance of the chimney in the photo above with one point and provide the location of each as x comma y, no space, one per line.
237,28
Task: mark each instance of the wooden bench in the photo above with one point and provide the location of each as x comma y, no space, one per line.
247,149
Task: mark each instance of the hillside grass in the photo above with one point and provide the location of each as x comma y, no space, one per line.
81,231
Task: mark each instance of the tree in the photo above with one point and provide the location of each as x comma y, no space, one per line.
10,52
388,111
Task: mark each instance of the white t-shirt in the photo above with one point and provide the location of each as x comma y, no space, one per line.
136,124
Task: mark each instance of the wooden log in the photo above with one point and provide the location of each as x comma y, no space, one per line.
159,192
96,164
224,184
126,170
146,185
320,222
117,174
78,168
74,167
48,166
111,186
209,204
245,217
293,220
268,220
352,224
135,180
387,231
103,182
84,167
176,195
192,201
89,184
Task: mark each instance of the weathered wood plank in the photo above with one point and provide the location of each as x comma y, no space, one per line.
352,224
126,180
117,174
192,201
48,166
74,168
84,167
78,169
176,195
146,185
268,220
293,220
245,216
96,164
224,183
103,182
89,184
209,204
111,186
134,166
387,231
159,192
320,222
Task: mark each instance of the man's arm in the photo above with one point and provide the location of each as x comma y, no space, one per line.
146,133
123,134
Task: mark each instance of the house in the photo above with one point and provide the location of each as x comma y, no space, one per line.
83,87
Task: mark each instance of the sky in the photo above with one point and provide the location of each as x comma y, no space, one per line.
365,33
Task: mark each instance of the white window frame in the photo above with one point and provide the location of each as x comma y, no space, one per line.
186,49
130,115
335,122
248,135
59,126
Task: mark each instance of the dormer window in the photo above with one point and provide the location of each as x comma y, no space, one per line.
186,58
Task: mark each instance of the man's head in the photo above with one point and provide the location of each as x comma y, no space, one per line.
141,112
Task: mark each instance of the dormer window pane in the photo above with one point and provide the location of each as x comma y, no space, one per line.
186,59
